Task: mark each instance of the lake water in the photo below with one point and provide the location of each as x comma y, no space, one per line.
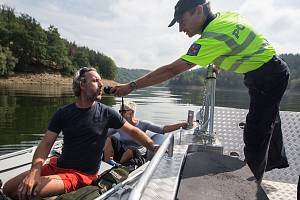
25,110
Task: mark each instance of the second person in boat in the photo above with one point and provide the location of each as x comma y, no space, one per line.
122,148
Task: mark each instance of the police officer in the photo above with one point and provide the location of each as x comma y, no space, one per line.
229,42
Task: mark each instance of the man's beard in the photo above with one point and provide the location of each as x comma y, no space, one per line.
93,96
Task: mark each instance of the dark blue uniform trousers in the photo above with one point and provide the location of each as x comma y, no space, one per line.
264,148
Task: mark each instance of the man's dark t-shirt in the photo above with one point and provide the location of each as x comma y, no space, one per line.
84,133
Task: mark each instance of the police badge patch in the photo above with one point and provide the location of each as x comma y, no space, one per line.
194,49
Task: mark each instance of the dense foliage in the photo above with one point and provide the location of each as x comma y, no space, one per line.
232,80
7,61
26,47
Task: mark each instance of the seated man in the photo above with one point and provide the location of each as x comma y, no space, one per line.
84,126
121,147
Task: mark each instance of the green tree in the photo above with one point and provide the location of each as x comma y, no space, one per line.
107,67
81,58
7,61
56,50
8,21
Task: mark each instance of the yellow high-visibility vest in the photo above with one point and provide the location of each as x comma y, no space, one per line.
229,42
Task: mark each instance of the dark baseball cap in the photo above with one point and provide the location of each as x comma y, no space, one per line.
183,6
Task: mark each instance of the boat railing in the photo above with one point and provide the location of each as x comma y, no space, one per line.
25,151
17,153
115,188
168,144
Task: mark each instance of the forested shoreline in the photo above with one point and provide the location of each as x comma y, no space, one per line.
25,47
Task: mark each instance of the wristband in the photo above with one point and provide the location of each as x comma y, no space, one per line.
133,85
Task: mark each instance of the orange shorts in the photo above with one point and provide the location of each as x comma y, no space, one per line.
72,179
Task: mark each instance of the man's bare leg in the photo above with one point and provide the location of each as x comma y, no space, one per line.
49,186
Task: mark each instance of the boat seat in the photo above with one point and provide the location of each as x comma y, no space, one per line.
216,176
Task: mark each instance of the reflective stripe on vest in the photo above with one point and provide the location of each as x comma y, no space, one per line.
245,58
233,45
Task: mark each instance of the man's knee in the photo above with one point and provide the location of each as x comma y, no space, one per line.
10,190
10,187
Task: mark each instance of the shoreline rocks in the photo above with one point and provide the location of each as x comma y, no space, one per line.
45,79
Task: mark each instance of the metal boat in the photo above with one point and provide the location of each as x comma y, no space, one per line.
202,162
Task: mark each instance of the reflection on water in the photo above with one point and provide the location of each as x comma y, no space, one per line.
25,110
37,90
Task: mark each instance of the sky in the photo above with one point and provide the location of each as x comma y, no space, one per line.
135,35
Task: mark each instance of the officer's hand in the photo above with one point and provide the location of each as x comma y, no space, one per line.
216,70
121,90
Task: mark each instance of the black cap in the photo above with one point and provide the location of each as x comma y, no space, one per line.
183,6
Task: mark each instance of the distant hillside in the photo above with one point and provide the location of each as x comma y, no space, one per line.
125,75
231,80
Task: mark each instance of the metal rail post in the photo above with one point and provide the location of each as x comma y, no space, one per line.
211,79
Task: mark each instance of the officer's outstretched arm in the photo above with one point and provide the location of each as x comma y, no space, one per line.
157,76
164,73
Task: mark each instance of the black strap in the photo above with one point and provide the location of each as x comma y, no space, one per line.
122,108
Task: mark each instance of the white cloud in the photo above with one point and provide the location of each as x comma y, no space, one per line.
135,33
277,22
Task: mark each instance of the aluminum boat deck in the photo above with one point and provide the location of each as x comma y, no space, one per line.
277,184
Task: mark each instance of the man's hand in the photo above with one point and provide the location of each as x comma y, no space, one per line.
216,70
154,148
121,90
29,187
184,125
